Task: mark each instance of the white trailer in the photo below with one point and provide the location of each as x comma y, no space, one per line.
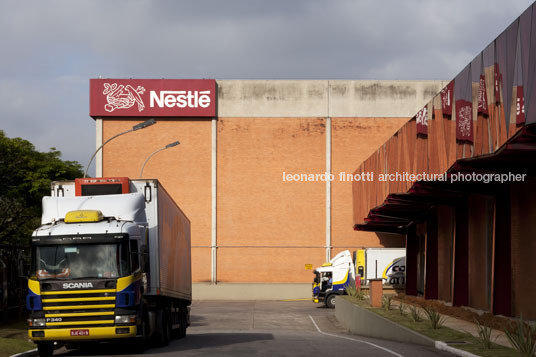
388,264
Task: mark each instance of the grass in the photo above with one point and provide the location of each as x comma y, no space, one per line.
14,338
456,339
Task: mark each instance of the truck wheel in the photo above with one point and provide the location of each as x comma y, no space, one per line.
164,328
330,301
45,349
143,333
183,320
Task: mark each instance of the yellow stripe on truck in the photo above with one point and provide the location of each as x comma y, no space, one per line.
70,314
95,333
78,292
342,281
80,323
34,286
80,299
123,283
78,307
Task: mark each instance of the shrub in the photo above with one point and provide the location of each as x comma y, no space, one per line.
402,309
436,320
351,291
354,293
522,338
386,302
415,313
484,335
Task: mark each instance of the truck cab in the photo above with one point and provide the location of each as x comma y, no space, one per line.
332,278
109,266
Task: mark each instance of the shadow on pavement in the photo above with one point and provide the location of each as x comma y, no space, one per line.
191,342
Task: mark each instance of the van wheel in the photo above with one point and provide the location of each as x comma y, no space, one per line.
330,301
45,349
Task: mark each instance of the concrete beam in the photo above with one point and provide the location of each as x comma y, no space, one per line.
309,98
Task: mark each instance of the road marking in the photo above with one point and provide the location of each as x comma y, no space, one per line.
353,339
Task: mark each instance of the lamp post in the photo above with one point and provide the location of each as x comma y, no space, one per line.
155,152
139,126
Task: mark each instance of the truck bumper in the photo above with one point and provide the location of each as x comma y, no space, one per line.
319,298
94,333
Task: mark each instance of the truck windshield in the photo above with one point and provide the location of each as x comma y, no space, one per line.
80,261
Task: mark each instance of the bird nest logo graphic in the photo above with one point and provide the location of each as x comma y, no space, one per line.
464,120
122,97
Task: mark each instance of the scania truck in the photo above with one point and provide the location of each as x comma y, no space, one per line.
333,278
111,261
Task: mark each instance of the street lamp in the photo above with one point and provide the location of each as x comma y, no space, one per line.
155,152
139,126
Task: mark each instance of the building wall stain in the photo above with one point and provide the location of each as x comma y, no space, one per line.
339,89
286,92
431,91
378,90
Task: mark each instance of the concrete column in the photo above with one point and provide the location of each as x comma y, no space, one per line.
328,182
431,256
460,289
412,250
214,203
501,300
98,143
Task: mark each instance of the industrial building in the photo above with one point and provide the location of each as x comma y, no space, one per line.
252,171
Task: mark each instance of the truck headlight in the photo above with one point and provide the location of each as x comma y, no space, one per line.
37,322
125,319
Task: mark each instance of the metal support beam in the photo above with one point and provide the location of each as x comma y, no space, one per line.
328,181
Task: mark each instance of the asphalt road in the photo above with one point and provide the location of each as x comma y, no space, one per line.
264,328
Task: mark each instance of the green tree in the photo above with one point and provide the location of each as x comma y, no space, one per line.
25,177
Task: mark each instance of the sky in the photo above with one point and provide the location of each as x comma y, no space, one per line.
50,49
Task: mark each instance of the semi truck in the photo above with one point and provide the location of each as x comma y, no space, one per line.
111,261
334,277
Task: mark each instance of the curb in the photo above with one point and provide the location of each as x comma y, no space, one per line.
442,346
360,321
29,353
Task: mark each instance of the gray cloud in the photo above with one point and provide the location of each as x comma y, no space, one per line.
50,49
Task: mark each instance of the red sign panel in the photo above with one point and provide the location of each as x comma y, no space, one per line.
101,186
520,106
152,98
422,121
464,120
446,98
482,96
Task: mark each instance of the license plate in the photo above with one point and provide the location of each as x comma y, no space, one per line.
79,332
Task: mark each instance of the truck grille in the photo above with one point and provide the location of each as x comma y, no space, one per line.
71,309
